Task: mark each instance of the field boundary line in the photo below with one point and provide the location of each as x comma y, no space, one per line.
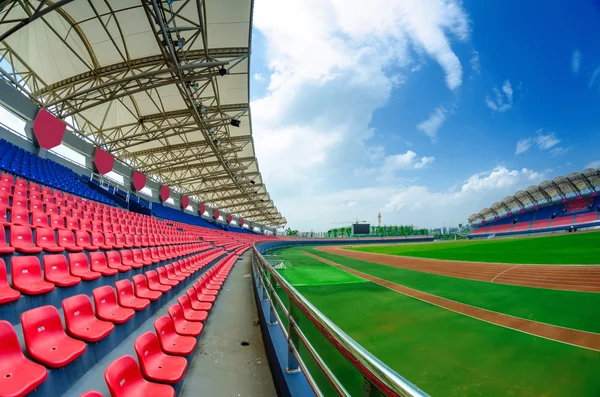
504,271
568,336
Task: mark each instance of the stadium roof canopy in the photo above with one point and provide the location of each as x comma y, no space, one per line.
145,80
561,187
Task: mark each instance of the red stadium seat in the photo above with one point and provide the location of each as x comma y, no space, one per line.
189,313
7,294
164,279
138,258
18,375
56,271
148,256
57,221
81,322
67,241
98,239
22,240
200,296
39,219
196,304
72,223
19,216
83,240
4,249
98,264
45,239
154,282
171,342
156,365
113,260
140,287
79,266
46,340
107,307
109,239
27,276
182,325
127,298
171,273
127,260
124,379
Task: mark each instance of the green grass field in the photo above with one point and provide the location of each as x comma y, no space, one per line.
442,352
576,248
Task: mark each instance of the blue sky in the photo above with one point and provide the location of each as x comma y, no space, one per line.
425,110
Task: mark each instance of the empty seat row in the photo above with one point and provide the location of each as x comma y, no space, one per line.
27,275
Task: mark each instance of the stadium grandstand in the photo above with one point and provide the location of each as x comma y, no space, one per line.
566,203
129,189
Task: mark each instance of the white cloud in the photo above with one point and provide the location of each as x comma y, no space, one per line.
417,204
543,141
593,164
433,123
575,61
405,161
352,204
315,117
593,78
523,145
259,77
503,100
475,62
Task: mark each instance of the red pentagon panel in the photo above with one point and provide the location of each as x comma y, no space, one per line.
139,180
201,209
49,131
185,201
241,222
103,161
216,214
165,193
229,218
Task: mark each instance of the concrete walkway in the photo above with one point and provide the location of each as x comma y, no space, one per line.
222,366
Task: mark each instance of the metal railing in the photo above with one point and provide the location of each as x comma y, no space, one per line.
378,378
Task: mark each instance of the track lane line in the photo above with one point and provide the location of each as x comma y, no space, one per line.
569,336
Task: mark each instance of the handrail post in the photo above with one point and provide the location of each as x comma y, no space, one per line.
293,339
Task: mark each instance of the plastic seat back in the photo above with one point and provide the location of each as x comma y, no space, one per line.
26,270
77,309
83,238
41,325
104,296
113,259
65,238
39,219
45,237
55,266
127,257
30,376
19,216
124,289
98,261
57,221
124,378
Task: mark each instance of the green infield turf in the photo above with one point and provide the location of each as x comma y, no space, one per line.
574,248
578,310
444,353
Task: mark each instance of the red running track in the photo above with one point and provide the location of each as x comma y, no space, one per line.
561,277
